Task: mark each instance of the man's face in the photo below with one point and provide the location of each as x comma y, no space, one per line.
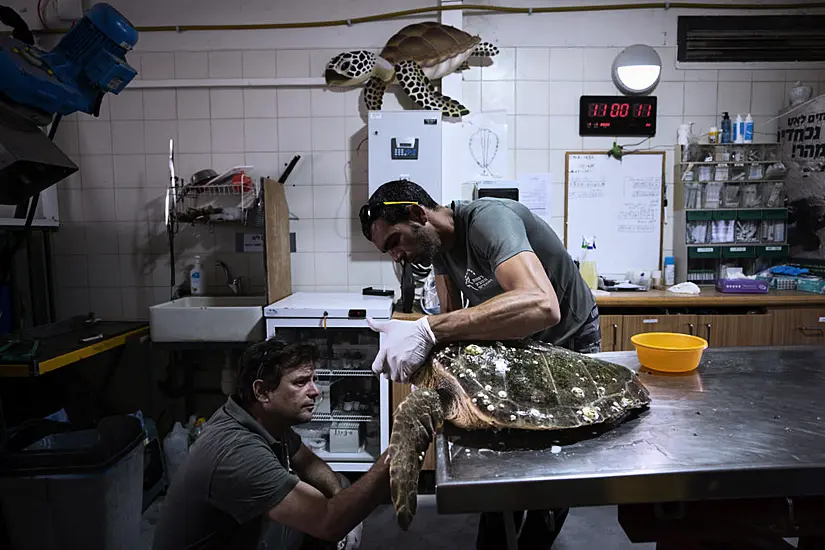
293,400
410,242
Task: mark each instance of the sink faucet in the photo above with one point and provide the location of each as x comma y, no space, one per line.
235,284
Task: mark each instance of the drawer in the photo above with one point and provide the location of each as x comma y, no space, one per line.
772,251
697,252
800,326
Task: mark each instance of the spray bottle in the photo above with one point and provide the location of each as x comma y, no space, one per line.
587,265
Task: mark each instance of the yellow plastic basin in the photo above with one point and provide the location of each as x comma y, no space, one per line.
669,351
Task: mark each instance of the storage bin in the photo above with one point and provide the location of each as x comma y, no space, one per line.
63,488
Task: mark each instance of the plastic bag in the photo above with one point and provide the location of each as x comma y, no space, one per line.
175,449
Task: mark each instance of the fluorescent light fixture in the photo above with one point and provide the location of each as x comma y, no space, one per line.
636,70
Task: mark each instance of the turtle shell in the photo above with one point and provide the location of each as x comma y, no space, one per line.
536,386
428,44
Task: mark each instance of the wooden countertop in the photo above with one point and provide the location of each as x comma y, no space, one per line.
708,297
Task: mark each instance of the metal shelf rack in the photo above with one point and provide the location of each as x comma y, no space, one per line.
729,208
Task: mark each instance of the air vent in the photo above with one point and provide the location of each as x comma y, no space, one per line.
769,38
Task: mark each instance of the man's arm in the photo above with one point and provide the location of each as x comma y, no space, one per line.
316,472
528,305
449,299
306,509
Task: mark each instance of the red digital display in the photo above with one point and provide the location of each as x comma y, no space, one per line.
617,116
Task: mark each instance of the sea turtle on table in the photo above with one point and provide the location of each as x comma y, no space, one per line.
415,55
522,385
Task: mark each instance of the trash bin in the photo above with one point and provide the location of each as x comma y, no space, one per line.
74,488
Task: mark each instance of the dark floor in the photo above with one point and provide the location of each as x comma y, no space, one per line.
585,529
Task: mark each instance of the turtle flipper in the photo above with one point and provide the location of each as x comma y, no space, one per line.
463,67
374,93
418,88
485,49
414,424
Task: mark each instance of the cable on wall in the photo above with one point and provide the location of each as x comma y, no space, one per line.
470,8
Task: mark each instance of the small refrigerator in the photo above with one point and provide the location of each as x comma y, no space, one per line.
349,427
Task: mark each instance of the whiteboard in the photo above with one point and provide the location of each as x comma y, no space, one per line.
621,204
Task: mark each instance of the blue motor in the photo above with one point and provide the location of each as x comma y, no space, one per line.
88,62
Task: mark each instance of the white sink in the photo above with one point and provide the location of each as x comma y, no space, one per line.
209,319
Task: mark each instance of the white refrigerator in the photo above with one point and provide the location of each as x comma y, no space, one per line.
350,425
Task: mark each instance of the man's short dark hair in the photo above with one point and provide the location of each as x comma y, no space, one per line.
404,191
269,361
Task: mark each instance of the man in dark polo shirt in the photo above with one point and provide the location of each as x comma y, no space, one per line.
519,281
249,482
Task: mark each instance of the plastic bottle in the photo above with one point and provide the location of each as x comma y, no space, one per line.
749,129
587,266
670,271
196,278
726,128
175,449
739,130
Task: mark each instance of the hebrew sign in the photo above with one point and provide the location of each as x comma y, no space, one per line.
802,141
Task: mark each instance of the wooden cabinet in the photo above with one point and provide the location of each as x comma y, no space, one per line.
399,392
799,326
736,330
611,327
637,324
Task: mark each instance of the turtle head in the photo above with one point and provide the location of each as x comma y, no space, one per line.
350,68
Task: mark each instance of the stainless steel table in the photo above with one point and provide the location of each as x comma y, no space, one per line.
748,423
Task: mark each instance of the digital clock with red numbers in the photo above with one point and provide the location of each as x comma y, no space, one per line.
617,115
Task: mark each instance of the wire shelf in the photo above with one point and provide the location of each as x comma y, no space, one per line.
343,372
222,190
338,416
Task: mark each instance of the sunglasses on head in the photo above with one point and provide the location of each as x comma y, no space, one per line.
370,212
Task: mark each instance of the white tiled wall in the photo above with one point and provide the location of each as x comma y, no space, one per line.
112,251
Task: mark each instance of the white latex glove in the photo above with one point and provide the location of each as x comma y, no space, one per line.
405,348
353,539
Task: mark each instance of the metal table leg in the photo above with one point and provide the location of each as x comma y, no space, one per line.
510,531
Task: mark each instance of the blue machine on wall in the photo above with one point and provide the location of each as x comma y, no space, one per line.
88,62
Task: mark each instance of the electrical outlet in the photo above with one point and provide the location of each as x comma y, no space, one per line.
69,10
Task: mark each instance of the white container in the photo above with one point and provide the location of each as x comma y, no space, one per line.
175,449
739,130
656,279
345,437
196,279
749,129
670,271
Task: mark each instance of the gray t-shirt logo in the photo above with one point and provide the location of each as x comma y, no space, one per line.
475,281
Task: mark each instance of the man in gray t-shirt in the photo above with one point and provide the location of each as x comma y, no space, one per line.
517,277
248,481
488,232
507,262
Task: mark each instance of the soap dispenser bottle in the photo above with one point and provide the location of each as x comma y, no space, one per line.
196,281
726,128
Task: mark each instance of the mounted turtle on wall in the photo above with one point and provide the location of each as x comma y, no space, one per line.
413,57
